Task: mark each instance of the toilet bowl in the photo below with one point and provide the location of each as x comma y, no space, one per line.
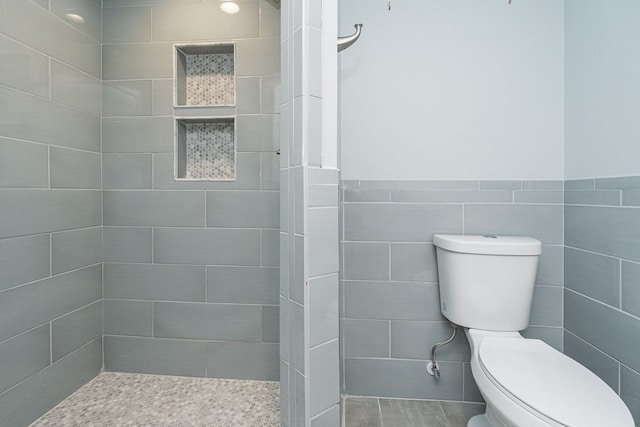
486,286
527,383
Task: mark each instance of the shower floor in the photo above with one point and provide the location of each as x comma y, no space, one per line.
119,399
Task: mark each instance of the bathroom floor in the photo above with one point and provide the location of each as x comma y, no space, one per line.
119,399
379,412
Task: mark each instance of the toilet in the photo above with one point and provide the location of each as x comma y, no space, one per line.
486,286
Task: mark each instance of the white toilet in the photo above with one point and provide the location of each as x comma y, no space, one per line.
486,286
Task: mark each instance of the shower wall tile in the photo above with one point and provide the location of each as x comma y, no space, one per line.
242,285
258,132
13,270
76,329
24,355
323,310
162,104
75,89
33,397
23,68
255,361
126,317
366,261
248,95
127,244
49,35
90,12
366,338
137,135
75,249
47,123
207,246
413,262
74,169
324,377
258,57
23,164
154,282
127,98
127,171
270,324
130,25
30,211
155,356
53,297
137,61
255,209
154,208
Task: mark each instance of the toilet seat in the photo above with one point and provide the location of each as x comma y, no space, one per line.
550,384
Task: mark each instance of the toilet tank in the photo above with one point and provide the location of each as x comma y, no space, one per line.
486,282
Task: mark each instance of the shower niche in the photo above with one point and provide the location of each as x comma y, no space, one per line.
205,112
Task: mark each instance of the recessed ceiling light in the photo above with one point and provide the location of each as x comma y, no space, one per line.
230,7
75,18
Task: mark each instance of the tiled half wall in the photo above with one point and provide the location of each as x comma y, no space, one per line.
390,302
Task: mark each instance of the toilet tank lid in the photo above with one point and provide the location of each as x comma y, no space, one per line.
488,244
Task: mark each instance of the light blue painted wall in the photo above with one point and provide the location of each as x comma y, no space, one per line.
602,73
437,90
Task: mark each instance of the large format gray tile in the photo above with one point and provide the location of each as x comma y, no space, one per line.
546,308
48,299
248,95
23,68
271,323
400,222
39,393
154,282
391,300
401,379
607,329
154,208
415,196
36,119
365,338
543,222
323,241
594,197
329,418
137,61
76,329
411,413
607,230
90,11
127,98
74,169
414,340
75,89
551,335
471,392
258,132
593,275
137,135
127,244
130,25
254,209
630,391
630,288
162,97
123,317
75,249
323,309
458,413
194,22
127,171
45,32
598,362
155,356
414,262
550,266
253,361
224,322
270,248
23,259
258,57
242,285
23,356
23,164
207,246
366,261
362,412
324,377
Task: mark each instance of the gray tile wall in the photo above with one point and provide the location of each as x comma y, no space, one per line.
191,268
50,205
602,281
390,301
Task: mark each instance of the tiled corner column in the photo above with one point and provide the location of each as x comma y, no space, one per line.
391,311
50,205
602,281
309,351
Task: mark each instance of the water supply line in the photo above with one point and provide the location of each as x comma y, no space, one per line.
432,367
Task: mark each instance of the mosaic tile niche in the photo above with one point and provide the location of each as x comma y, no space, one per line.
205,75
206,150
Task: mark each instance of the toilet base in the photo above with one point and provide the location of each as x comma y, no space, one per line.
479,421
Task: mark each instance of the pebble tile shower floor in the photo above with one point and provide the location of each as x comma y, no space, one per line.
119,399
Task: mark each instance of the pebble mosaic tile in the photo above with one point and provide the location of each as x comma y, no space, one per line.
211,151
120,399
